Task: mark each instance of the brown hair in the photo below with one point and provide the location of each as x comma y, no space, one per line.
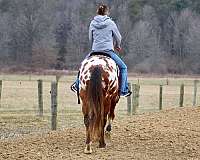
102,9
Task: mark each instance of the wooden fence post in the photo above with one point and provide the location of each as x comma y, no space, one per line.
135,98
129,100
0,90
40,97
160,97
181,95
53,105
167,81
195,93
138,81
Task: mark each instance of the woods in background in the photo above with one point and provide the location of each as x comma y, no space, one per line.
159,36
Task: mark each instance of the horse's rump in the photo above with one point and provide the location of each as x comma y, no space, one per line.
109,72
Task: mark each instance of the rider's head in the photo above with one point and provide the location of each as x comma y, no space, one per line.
103,10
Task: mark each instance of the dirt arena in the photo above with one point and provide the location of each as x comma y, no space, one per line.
169,134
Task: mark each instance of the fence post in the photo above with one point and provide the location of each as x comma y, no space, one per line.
129,100
181,95
167,81
0,90
195,92
53,105
160,97
138,81
135,98
40,98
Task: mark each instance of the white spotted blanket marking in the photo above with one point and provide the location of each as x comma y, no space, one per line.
109,76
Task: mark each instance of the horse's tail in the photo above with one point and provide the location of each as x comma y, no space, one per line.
95,102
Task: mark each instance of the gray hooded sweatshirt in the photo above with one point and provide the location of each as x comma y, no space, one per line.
102,33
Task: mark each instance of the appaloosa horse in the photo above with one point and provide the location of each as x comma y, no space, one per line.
99,95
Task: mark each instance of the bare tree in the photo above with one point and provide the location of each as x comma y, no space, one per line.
144,49
192,44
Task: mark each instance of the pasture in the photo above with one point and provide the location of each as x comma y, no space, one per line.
146,134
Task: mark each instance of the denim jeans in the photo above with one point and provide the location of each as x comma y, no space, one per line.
122,75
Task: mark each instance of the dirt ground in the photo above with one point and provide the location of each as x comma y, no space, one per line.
169,134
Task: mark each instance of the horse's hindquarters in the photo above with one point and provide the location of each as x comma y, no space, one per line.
109,71
98,91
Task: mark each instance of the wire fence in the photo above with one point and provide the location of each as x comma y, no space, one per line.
21,101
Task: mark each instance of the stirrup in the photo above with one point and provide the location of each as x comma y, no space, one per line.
126,94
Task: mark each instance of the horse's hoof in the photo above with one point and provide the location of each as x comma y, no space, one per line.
88,150
108,128
108,135
102,145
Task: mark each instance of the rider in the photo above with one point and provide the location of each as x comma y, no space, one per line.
103,34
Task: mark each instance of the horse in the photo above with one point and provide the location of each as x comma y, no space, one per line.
99,95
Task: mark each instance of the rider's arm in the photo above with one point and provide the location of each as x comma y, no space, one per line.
117,35
90,34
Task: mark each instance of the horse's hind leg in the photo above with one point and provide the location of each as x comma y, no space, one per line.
88,149
102,143
85,111
109,127
111,116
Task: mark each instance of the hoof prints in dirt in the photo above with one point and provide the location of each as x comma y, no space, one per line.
172,134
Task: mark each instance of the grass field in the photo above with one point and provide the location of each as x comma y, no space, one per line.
19,101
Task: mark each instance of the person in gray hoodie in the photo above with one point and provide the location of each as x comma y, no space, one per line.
105,37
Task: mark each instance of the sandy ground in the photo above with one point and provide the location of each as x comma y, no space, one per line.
169,134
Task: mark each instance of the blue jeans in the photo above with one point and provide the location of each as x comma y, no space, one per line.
123,88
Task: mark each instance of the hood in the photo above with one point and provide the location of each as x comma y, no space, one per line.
100,22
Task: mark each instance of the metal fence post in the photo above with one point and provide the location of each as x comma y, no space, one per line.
40,97
195,92
181,95
135,98
160,97
53,105
129,100
0,90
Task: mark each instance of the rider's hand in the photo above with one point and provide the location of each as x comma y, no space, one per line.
118,49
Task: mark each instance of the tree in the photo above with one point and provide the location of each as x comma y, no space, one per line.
5,5
62,35
27,27
49,33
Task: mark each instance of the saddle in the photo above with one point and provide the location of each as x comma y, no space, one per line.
103,53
